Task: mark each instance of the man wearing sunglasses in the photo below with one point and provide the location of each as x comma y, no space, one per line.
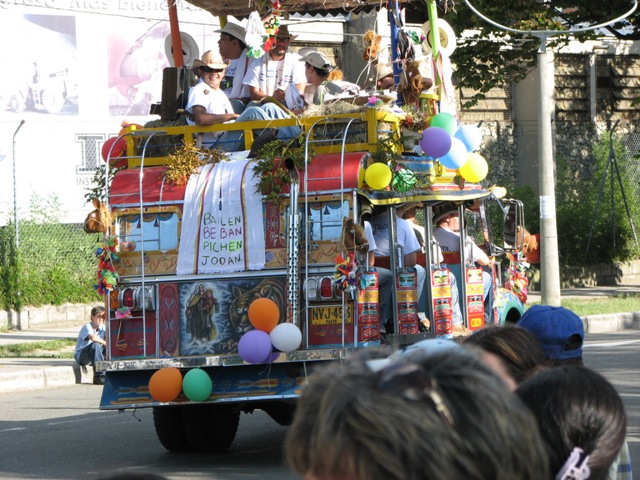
278,73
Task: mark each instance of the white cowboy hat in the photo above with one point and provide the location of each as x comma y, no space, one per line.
447,37
211,59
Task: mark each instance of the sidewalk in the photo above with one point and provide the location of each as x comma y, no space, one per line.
19,374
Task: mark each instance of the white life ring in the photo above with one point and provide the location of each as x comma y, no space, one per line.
190,50
447,37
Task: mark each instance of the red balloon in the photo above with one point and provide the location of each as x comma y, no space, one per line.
119,149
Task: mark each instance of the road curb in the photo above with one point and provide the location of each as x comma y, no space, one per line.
612,322
37,378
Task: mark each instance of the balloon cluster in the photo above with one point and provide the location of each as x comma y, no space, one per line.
256,346
107,275
378,176
166,384
454,146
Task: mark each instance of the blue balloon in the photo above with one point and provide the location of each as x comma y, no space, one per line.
456,156
470,135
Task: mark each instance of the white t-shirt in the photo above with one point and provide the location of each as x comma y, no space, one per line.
404,231
449,241
233,86
214,101
269,75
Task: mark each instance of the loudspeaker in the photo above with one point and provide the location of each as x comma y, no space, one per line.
176,82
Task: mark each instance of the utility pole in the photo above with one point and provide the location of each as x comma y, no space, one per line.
549,261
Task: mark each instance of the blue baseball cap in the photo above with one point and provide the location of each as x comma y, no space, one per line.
559,330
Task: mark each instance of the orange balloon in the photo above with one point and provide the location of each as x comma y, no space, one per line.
264,314
166,384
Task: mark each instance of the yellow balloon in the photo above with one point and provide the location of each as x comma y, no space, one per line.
475,169
378,176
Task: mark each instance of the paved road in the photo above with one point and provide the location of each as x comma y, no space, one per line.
58,433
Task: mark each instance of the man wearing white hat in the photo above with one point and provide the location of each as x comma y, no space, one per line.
232,47
277,73
317,69
207,103
210,106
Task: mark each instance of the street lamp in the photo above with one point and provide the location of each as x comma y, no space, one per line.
549,262
15,191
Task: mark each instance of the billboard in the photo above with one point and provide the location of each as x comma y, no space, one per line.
73,72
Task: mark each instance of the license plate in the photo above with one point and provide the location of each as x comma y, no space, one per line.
330,315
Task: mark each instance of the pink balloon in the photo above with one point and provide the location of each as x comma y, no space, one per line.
435,142
255,346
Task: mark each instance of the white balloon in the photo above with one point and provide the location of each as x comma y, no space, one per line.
286,337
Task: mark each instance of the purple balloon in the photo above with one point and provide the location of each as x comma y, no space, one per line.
435,142
456,156
470,135
255,346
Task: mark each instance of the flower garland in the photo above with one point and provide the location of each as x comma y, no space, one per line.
344,277
107,274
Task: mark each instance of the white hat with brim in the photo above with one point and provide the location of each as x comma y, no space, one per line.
318,60
210,59
234,30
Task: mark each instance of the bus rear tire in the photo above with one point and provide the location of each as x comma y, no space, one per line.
211,428
170,429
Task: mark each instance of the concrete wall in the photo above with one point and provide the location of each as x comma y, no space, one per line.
46,316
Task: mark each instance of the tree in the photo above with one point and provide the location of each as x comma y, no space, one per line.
490,57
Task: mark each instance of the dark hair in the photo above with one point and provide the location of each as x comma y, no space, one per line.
132,476
323,72
98,310
519,349
577,407
231,38
439,417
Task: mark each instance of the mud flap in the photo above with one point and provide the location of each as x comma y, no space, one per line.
442,303
368,308
407,301
474,297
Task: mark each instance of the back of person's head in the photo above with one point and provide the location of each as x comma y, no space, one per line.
434,417
559,330
518,348
576,408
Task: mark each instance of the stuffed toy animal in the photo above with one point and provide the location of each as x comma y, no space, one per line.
531,246
371,45
413,82
353,237
99,220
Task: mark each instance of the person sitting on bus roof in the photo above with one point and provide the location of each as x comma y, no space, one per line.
232,47
447,234
210,106
384,77
317,68
278,73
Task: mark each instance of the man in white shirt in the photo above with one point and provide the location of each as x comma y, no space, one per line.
278,73
407,241
447,234
207,102
210,106
233,48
